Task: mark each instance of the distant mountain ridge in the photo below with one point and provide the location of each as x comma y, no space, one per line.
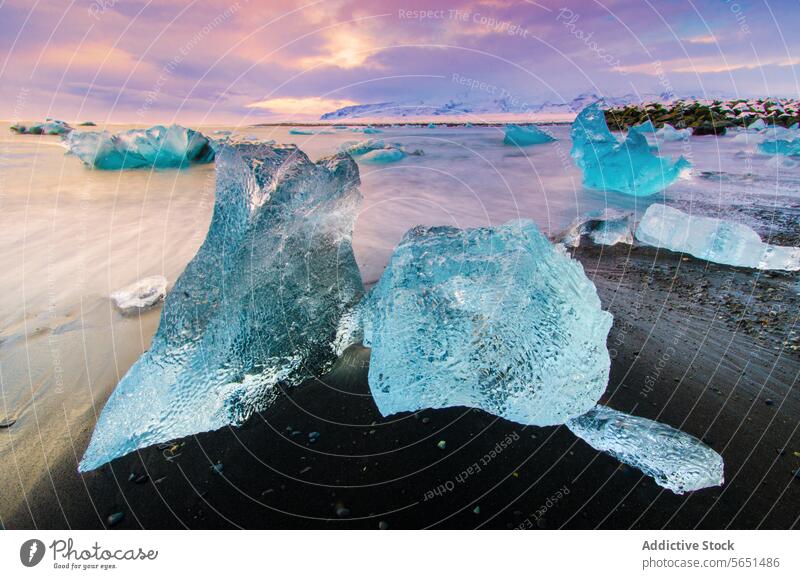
466,107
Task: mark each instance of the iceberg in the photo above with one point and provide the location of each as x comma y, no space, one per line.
495,318
383,156
142,294
676,460
628,167
645,127
668,133
525,136
258,308
356,148
713,239
757,125
608,227
157,147
376,151
783,147
49,127
300,132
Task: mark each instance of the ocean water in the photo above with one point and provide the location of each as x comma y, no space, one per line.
69,236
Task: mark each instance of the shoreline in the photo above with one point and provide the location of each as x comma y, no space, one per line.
693,345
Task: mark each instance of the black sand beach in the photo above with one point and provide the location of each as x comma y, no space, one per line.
709,349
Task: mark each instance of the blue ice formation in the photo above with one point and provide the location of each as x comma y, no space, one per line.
628,167
607,227
380,156
525,136
375,151
784,147
256,310
668,133
645,127
300,132
712,239
757,125
676,460
157,147
368,130
49,127
495,318
431,125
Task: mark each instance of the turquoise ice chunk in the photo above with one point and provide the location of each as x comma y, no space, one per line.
525,136
258,309
495,318
157,147
629,167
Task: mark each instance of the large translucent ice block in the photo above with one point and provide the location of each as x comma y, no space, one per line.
256,310
628,167
712,239
495,318
156,147
676,460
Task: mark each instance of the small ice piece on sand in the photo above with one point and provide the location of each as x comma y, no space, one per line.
493,318
712,239
669,134
629,167
525,136
142,294
157,147
608,227
260,304
676,460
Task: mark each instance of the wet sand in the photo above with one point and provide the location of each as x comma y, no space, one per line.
710,349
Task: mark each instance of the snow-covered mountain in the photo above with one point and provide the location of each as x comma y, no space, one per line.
466,106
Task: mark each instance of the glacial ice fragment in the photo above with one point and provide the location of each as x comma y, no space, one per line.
645,127
676,460
376,151
712,239
256,310
383,156
525,136
628,167
608,227
495,318
757,125
300,132
157,147
786,148
141,294
668,133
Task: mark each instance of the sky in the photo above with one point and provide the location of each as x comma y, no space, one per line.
247,61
